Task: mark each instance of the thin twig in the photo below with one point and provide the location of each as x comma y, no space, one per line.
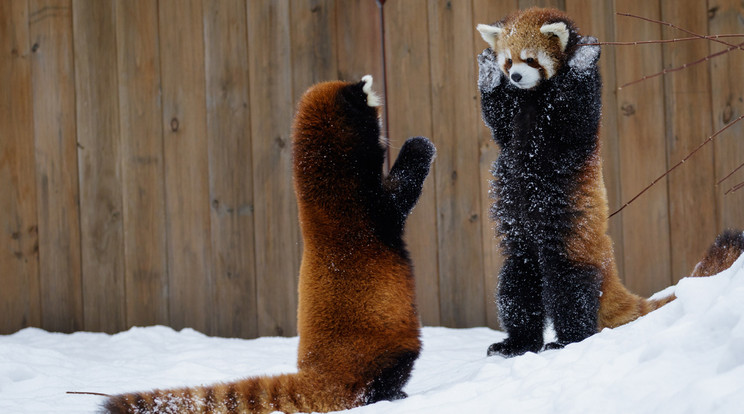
734,188
732,173
647,42
88,393
710,138
686,65
678,28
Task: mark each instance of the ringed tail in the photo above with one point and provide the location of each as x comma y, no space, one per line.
286,393
619,306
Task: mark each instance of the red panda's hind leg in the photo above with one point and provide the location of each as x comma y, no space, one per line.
388,384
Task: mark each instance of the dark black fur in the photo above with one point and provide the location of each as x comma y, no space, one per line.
546,134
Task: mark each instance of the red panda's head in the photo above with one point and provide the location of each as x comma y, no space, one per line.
530,45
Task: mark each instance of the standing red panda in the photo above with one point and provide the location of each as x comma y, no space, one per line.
358,327
540,95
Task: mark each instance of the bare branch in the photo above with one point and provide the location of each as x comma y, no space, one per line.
710,138
88,393
686,65
648,42
734,188
732,173
681,29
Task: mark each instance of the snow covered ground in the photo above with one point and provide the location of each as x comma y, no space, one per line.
687,357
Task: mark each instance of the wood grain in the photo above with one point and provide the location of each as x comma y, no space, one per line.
53,77
191,283
19,254
230,167
641,129
142,163
358,39
277,234
727,97
455,124
692,207
99,147
409,102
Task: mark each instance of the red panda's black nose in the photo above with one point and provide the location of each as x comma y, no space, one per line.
516,77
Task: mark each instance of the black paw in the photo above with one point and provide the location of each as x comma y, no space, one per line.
509,348
420,147
489,73
585,57
553,345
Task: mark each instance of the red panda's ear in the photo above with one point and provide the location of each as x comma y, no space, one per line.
558,29
490,34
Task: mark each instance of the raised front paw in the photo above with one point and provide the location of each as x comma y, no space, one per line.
585,57
489,72
511,348
420,148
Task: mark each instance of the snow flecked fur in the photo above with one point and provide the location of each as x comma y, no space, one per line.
358,326
550,200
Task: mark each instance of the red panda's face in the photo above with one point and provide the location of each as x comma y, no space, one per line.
525,68
529,46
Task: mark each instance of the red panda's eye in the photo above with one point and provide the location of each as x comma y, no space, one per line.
508,61
530,61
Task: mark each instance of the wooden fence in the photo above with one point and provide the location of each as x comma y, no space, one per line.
145,151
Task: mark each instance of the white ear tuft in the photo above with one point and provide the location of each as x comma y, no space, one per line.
372,98
490,33
557,29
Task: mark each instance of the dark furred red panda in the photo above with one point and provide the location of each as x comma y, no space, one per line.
540,95
358,326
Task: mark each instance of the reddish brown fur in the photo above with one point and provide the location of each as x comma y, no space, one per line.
526,25
356,318
592,245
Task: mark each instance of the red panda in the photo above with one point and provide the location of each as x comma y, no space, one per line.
357,322
532,45
540,96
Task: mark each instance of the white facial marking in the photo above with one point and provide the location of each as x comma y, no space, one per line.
501,59
547,63
372,98
524,76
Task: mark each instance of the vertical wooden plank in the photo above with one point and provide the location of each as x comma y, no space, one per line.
487,12
101,229
313,35
409,111
642,148
19,258
277,233
598,19
50,25
186,165
358,41
557,4
692,209
230,168
141,132
454,125
727,97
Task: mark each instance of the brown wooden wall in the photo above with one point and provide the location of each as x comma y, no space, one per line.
145,151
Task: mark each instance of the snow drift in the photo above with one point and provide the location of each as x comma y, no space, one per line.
687,357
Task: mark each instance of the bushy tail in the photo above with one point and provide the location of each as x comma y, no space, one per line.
286,393
728,246
619,306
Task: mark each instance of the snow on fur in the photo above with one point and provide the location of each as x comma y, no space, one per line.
687,357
